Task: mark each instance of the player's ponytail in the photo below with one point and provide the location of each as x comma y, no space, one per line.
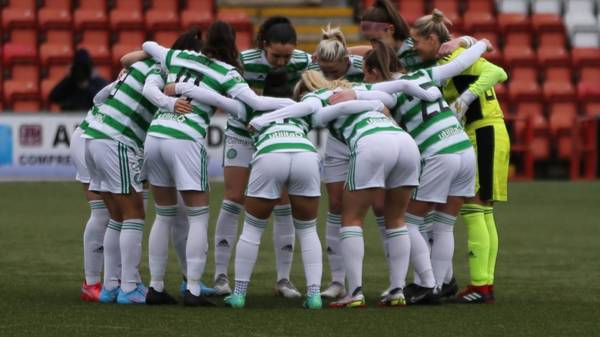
434,23
383,59
189,40
385,12
313,80
220,44
332,46
276,29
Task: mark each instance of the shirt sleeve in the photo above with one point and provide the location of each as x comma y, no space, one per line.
261,103
156,51
212,98
490,75
462,62
409,87
153,91
376,95
297,110
103,94
331,112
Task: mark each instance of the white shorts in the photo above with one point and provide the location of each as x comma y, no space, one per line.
176,163
77,150
237,151
336,161
446,175
384,160
114,167
272,172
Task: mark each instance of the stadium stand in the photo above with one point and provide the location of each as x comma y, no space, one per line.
551,49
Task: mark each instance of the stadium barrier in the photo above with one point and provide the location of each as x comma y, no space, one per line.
35,147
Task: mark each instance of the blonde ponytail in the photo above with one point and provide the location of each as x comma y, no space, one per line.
435,23
332,46
312,80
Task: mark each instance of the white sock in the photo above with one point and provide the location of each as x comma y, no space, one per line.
179,235
283,240
312,253
158,245
93,241
443,246
380,220
399,247
353,250
419,253
426,229
132,234
225,235
197,247
112,255
334,254
146,196
246,250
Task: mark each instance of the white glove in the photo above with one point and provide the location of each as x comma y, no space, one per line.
461,105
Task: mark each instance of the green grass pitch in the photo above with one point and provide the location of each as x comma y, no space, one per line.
547,277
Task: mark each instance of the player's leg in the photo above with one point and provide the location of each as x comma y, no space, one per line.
237,154
267,178
335,171
165,201
401,176
304,189
378,208
179,234
188,162
283,243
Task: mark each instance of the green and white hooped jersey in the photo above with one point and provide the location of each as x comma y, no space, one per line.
410,58
350,129
355,71
287,135
236,127
256,67
126,114
195,67
88,118
431,124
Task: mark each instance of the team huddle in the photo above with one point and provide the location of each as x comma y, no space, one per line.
415,133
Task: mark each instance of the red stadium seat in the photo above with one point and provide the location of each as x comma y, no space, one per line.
540,146
19,14
501,93
127,14
127,41
518,39
592,109
21,47
197,12
479,22
26,105
482,6
559,91
545,22
590,74
552,56
166,38
58,47
90,15
55,14
411,10
238,19
518,55
243,40
451,9
552,39
585,57
23,84
96,43
524,91
163,15
588,88
107,71
562,117
513,22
